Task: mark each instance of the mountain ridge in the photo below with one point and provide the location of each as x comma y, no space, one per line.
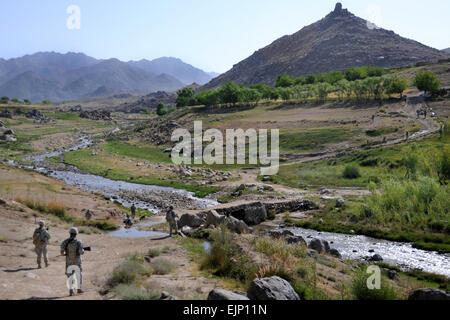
59,77
338,41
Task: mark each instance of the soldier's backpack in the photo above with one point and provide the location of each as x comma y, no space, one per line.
39,238
72,249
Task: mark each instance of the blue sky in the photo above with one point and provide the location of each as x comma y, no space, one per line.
210,34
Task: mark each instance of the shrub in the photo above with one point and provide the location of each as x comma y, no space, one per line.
351,172
226,259
134,292
162,266
153,253
128,271
361,291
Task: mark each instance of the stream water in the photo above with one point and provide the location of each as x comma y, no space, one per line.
350,246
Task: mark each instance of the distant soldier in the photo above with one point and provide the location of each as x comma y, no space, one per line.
425,113
72,248
407,135
384,139
88,215
40,241
441,131
133,211
172,219
373,118
128,222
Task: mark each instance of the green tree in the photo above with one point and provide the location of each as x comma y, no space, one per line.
229,93
427,81
284,81
4,100
396,86
334,77
161,109
311,79
46,102
263,89
185,97
300,81
15,100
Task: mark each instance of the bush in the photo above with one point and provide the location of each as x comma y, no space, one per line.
153,253
361,291
128,271
162,266
351,172
225,258
133,292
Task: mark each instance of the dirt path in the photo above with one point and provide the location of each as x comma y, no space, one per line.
19,278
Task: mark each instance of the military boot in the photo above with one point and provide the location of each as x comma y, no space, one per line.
71,292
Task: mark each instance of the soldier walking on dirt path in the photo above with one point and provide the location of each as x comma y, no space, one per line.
88,215
40,241
172,219
73,249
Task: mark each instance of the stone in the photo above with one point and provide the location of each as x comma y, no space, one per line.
376,258
188,231
340,203
273,288
236,225
190,220
213,218
335,253
295,240
30,275
429,294
221,295
392,274
319,245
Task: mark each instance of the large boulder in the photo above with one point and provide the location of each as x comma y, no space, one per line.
236,225
190,220
221,295
252,214
273,288
319,245
429,294
214,219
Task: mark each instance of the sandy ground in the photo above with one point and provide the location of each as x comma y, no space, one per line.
20,278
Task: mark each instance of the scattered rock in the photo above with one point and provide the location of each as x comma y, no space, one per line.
273,288
376,258
96,115
335,253
392,274
429,294
236,225
190,220
213,218
319,245
221,295
30,275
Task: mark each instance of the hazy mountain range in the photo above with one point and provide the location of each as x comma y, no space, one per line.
338,41
447,50
55,76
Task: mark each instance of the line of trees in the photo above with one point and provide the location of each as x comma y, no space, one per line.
360,84
360,90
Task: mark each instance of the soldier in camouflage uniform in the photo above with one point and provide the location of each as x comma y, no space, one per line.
172,218
72,248
40,241
133,212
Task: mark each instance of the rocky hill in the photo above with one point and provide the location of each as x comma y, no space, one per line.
338,41
447,50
